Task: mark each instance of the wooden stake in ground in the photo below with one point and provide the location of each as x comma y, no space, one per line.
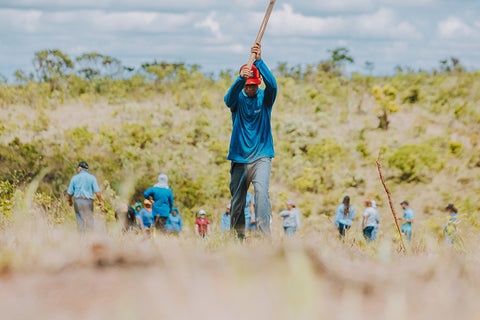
390,201
261,31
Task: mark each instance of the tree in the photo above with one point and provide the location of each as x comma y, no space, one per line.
386,97
98,65
52,66
339,57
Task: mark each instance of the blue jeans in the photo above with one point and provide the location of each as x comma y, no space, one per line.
290,231
84,213
241,175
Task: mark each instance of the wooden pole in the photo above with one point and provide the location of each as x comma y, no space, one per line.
261,31
390,201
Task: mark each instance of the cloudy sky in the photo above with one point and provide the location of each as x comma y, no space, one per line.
217,34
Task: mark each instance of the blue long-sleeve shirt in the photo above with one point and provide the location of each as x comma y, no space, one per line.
225,222
340,217
251,117
163,200
146,217
174,223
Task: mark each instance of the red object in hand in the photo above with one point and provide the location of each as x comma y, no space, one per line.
254,76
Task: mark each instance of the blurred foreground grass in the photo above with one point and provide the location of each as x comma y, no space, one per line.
50,271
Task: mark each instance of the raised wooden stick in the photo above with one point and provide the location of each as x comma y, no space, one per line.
390,200
261,31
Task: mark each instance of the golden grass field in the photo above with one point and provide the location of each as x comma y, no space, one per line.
326,141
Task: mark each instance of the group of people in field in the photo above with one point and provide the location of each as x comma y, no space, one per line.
251,152
370,218
156,211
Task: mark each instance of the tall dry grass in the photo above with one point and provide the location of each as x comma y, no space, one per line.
49,271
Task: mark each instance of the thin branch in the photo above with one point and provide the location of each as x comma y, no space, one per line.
390,200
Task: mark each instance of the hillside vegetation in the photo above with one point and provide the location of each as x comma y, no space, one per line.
327,128
130,125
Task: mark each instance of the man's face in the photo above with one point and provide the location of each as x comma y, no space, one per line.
404,206
228,210
251,90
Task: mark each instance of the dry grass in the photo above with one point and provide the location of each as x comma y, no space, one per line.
50,271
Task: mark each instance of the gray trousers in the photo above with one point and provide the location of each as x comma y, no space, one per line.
84,213
242,174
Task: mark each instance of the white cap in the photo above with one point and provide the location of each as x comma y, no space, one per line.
228,206
290,202
201,212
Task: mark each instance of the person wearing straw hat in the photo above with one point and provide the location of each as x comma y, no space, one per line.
291,219
82,187
251,143
145,216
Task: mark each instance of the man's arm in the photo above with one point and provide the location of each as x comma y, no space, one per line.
99,197
231,98
70,200
271,85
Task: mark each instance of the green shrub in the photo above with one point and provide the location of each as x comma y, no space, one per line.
414,161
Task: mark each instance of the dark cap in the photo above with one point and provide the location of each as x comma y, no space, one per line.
83,165
451,207
404,202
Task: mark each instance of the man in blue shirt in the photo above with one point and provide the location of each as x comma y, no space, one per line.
408,216
82,187
251,143
226,219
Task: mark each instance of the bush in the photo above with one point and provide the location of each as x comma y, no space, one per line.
414,161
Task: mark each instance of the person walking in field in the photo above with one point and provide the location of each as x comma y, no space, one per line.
250,222
375,230
450,230
226,219
174,222
82,187
370,221
343,216
251,143
408,216
202,224
145,216
162,197
291,219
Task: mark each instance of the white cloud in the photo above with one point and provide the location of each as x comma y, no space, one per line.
380,24
453,28
93,21
211,24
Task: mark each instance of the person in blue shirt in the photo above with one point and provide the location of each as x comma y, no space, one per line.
82,187
174,222
450,230
291,219
375,230
145,216
162,196
251,142
226,220
408,216
250,222
343,216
